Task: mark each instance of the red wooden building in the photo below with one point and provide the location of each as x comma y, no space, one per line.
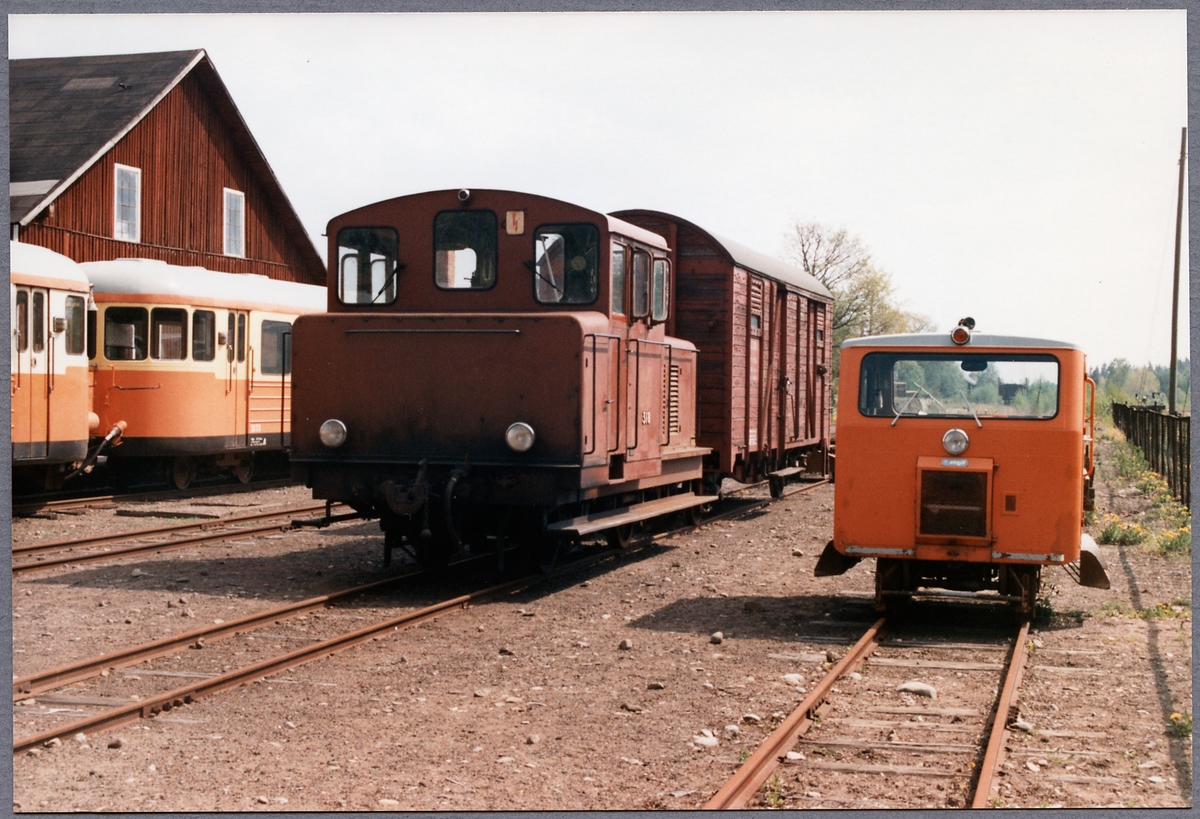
146,155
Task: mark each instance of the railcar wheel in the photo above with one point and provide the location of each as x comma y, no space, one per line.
244,469
182,472
893,589
694,514
619,536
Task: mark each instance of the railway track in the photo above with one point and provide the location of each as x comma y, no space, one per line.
97,549
842,741
67,502
27,687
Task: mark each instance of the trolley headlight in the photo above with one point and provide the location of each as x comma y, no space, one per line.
333,433
955,441
520,437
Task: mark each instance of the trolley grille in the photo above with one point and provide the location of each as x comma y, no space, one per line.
954,504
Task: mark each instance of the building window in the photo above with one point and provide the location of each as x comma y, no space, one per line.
235,223
127,204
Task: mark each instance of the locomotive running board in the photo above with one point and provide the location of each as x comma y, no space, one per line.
599,521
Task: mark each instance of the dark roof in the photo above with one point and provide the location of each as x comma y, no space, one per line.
743,256
65,113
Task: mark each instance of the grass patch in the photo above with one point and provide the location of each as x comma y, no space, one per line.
1117,532
1180,725
1177,609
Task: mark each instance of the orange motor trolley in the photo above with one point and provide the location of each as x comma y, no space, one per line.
963,465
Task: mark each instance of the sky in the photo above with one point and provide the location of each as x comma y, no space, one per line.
1020,167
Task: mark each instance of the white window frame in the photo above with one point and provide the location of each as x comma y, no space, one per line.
118,232
238,252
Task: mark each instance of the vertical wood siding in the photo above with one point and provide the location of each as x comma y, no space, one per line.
187,156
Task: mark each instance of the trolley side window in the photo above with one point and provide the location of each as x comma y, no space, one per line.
368,263
22,330
168,334
204,335
959,385
662,281
125,333
74,340
276,347
565,264
38,315
241,337
618,279
641,284
464,249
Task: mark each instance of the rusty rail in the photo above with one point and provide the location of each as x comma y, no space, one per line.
745,782
999,733
1165,441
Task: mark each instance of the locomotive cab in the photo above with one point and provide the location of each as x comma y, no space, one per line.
963,465
494,368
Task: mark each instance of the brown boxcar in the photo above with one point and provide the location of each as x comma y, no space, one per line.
764,332
495,364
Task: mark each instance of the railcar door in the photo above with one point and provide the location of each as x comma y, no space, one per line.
237,381
30,377
816,381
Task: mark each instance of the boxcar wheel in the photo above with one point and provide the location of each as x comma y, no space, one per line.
619,536
244,470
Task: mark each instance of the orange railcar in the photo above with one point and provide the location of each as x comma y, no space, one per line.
51,402
963,465
196,362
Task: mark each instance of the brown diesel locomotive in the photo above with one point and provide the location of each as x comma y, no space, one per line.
499,368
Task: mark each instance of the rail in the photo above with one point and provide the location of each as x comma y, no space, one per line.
1165,441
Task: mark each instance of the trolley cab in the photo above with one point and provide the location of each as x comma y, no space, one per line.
963,465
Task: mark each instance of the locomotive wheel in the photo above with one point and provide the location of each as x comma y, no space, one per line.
1026,582
620,536
182,472
693,515
244,470
890,577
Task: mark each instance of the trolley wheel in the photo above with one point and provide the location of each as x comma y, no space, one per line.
619,536
182,472
244,469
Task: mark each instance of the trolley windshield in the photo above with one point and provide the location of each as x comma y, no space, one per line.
959,385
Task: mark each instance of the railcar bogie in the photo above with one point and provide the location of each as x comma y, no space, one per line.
964,464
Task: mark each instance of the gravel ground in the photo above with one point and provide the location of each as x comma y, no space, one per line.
591,690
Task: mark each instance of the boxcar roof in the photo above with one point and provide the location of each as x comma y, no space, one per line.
744,257
175,283
943,340
33,264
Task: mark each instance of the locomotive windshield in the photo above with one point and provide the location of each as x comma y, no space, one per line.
565,264
959,385
367,265
465,249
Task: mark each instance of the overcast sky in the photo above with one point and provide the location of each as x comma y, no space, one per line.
1018,167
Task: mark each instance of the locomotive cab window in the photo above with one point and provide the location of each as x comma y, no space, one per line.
75,325
565,264
464,245
662,281
959,385
168,334
367,265
618,279
641,284
125,333
276,347
204,335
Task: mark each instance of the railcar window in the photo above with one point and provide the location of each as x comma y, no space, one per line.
125,333
38,314
276,347
75,325
22,320
464,245
641,284
241,337
959,385
565,264
230,336
168,334
618,279
204,335
661,282
368,263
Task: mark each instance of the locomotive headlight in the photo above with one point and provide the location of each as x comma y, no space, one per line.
333,433
955,441
520,437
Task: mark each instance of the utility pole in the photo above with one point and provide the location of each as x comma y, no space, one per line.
1175,291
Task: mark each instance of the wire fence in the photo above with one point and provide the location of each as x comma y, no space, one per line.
1165,441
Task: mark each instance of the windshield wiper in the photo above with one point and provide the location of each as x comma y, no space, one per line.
978,423
906,403
391,277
